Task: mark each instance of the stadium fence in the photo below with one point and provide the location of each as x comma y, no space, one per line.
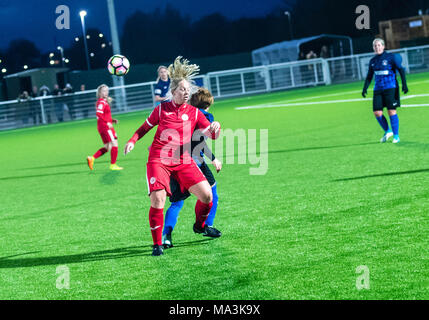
230,83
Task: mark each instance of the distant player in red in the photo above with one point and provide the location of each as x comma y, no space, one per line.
169,154
105,128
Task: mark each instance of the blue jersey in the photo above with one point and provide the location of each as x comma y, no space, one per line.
384,67
162,87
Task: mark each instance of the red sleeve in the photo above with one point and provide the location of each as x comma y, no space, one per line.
204,125
150,122
103,111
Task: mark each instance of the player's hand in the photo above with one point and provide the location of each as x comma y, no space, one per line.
128,147
217,164
109,125
405,89
214,127
364,93
115,121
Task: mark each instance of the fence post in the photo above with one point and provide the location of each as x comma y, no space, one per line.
292,77
316,78
153,96
243,89
407,62
217,86
326,72
267,78
42,109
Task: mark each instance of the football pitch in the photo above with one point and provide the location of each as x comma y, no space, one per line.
334,202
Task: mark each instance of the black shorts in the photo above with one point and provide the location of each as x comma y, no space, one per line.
388,98
178,195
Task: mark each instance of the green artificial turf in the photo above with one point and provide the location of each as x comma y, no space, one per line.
333,199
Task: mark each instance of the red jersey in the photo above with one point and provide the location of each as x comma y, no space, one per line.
176,124
103,114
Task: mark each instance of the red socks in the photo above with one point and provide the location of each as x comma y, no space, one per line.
202,211
156,222
99,153
113,155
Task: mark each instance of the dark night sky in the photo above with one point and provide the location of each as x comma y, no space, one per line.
35,20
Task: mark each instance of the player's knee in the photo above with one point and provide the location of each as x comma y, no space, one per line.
207,197
158,199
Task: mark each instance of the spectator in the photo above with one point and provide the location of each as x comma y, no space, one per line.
311,55
59,104
23,110
35,106
324,52
68,91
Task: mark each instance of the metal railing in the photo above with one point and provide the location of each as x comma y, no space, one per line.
222,84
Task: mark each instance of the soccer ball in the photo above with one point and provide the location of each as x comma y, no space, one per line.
118,65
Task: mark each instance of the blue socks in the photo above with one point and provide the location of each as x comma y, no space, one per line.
394,122
172,213
213,210
171,216
383,123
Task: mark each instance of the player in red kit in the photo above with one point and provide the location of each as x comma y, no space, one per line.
169,154
105,128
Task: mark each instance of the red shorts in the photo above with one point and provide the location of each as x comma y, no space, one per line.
108,135
158,176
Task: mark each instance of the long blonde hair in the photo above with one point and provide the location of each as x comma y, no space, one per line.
181,70
101,86
157,71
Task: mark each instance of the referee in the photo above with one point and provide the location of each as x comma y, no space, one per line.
386,90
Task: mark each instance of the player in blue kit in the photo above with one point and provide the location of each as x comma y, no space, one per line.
386,90
162,85
202,100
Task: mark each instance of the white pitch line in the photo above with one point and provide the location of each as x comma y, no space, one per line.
414,96
280,105
415,105
299,104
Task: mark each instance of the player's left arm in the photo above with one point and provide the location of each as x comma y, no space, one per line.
211,130
209,154
397,61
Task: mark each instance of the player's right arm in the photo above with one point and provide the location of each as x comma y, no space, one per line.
149,123
368,79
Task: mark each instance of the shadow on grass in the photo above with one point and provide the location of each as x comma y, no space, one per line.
383,175
119,253
105,161
110,177
38,213
313,148
42,175
191,243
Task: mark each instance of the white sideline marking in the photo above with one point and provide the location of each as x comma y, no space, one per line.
414,96
298,104
280,105
415,105
327,95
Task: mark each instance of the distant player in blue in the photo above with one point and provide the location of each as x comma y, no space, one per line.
162,85
386,90
202,100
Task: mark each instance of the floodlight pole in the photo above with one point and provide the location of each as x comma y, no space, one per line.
82,19
117,81
287,13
